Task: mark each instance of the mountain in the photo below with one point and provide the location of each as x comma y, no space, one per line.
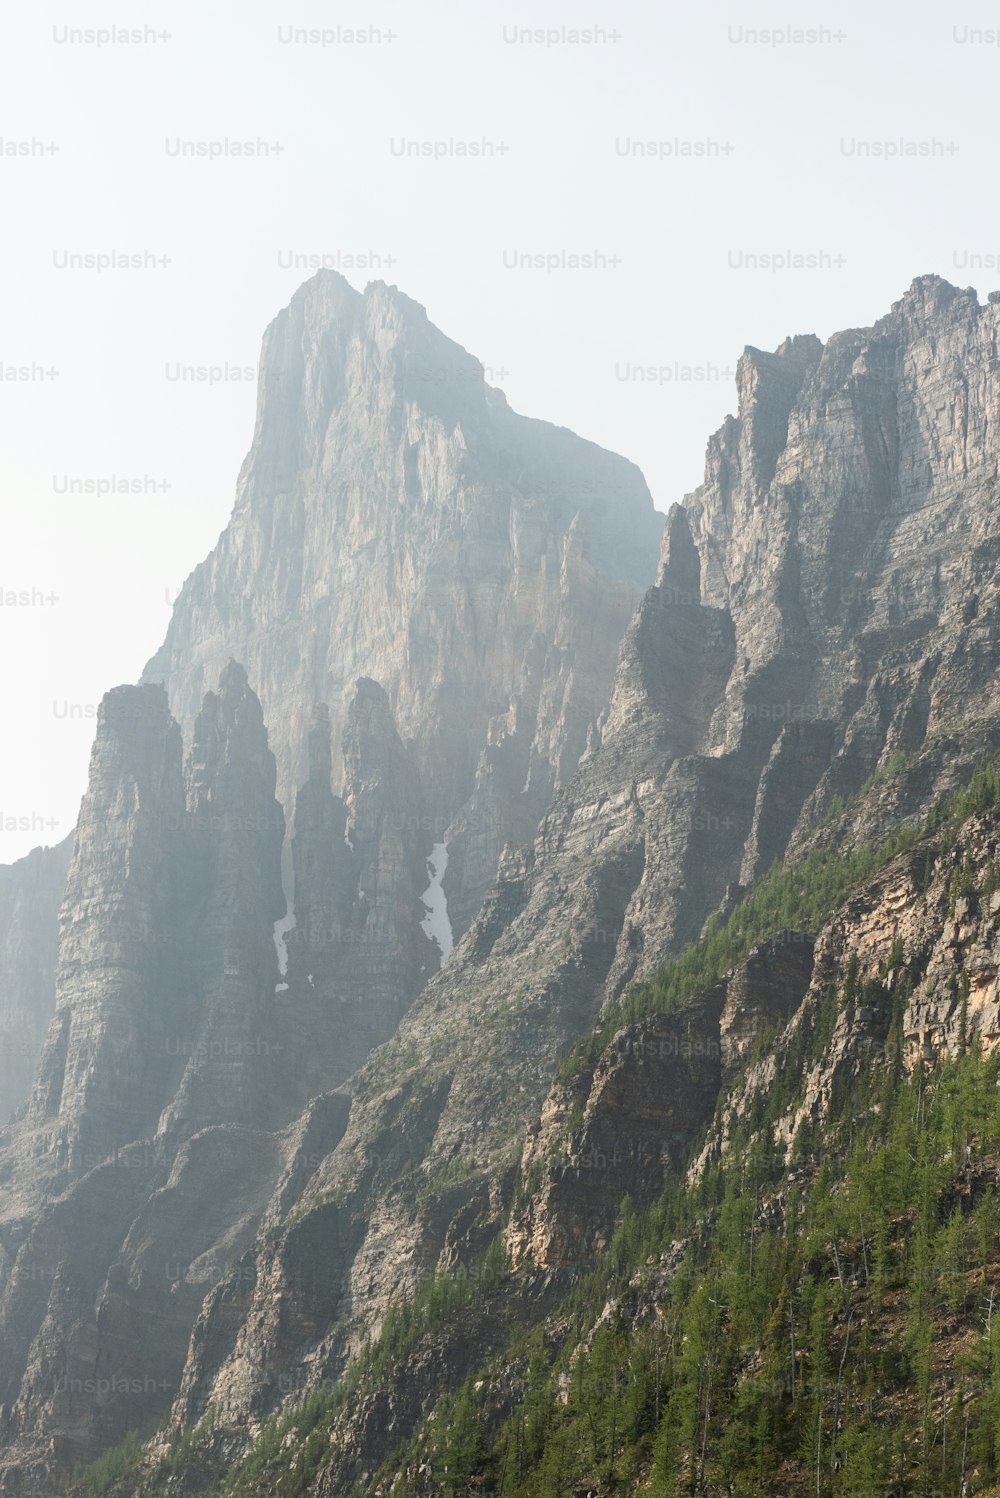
395,519
366,1235
816,665
826,604
396,650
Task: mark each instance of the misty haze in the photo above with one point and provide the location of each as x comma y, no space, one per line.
500,885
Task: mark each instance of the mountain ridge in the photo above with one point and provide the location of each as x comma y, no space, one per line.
817,661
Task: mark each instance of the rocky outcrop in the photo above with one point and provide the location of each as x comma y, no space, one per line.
142,1163
358,953
31,892
166,965
103,1072
228,1047
396,520
627,1127
907,964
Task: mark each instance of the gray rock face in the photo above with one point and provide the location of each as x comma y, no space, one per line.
827,598
104,1065
627,1125
161,1065
357,955
228,1053
31,892
167,964
396,520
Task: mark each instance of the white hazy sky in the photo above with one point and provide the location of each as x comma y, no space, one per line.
671,232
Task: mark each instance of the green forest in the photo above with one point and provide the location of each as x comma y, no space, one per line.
847,1342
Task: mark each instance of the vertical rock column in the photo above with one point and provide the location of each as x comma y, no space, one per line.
103,1071
358,956
229,1059
323,864
31,893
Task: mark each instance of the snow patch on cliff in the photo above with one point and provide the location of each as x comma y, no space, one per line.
281,928
436,923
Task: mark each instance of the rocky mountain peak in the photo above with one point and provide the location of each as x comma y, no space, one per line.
397,523
929,298
228,731
367,356
438,606
680,565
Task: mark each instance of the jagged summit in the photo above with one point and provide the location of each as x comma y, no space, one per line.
374,351
932,295
395,521
233,679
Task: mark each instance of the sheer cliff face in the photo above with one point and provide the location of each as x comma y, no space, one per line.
847,522
166,963
358,953
31,892
93,1087
396,520
149,1147
828,597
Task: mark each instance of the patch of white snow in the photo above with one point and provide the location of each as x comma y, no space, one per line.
435,923
286,924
